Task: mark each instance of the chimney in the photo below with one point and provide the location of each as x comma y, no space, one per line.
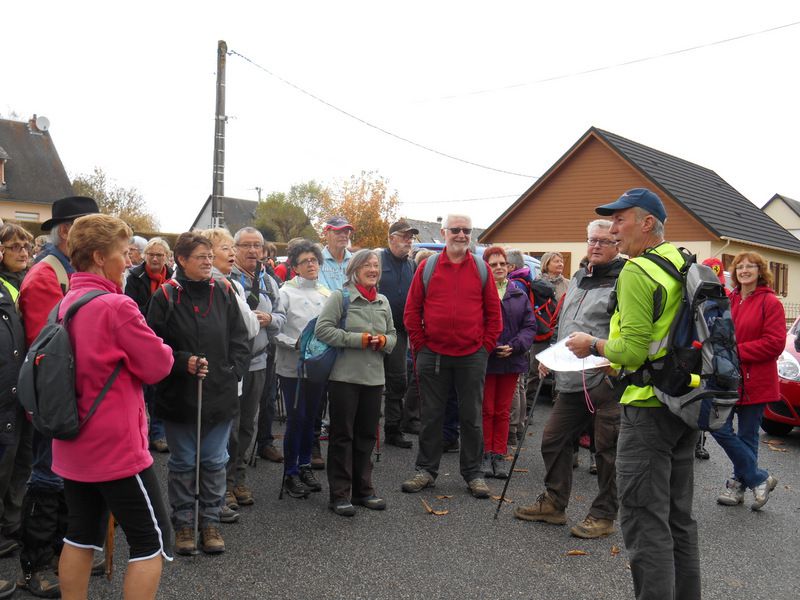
439,220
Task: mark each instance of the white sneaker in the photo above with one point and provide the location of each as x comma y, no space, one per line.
733,493
761,492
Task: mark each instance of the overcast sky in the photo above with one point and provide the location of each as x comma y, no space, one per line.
503,84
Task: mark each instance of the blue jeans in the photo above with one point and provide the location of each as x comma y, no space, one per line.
300,416
182,440
742,446
156,429
42,476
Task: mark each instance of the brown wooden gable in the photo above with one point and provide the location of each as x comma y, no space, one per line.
561,204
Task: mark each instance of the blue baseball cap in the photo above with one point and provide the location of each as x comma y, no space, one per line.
641,197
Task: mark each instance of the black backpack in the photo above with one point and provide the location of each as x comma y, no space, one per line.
46,385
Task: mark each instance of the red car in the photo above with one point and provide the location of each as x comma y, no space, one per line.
783,416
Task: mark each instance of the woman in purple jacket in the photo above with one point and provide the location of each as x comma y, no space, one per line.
506,363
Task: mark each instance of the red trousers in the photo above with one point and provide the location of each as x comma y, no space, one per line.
498,392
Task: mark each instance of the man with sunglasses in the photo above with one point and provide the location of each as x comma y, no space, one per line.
398,270
453,320
585,309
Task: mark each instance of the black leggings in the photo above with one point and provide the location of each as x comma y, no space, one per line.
136,504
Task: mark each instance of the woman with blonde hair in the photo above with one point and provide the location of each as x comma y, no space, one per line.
552,265
760,324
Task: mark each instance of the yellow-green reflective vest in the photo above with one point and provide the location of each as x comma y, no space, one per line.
645,396
12,291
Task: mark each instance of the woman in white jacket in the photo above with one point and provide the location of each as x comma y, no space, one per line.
302,297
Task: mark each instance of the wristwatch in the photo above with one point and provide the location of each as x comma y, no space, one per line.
593,347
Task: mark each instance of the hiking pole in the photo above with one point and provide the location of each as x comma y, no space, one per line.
197,458
519,447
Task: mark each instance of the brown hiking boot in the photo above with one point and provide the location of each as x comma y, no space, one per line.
478,488
243,495
184,541
592,527
418,482
541,510
230,500
317,462
212,542
43,584
271,453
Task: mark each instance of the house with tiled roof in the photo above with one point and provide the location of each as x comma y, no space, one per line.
32,176
705,213
430,232
785,211
236,213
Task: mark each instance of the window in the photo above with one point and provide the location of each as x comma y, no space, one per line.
26,216
780,276
727,259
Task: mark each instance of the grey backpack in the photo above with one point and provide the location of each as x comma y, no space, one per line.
46,384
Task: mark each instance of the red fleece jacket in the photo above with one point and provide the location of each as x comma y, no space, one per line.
455,316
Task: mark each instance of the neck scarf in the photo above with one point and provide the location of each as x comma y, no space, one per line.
370,294
156,279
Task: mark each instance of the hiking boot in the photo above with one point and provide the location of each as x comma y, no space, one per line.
317,462
159,446
7,588
418,482
450,446
593,464
478,488
184,541
243,495
293,486
370,502
271,453
7,546
700,448
761,492
499,466
486,465
542,510
228,515
230,500
396,439
512,439
212,542
592,527
733,493
343,508
308,479
43,584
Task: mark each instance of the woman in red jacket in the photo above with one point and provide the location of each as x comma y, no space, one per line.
760,324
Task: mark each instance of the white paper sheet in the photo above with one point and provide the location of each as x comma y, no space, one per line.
560,358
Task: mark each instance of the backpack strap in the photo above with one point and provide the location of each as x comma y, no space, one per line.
73,308
102,394
61,272
345,307
168,289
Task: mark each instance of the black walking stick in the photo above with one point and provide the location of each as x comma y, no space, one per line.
519,446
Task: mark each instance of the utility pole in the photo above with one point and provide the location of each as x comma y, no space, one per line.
218,183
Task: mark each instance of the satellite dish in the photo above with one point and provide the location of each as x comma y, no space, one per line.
42,123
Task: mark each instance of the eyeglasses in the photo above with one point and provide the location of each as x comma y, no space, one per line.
18,247
500,264
308,262
457,230
251,246
599,242
746,267
202,257
153,255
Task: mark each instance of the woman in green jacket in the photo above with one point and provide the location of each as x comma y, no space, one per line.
356,382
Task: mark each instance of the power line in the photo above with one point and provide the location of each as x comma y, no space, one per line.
372,125
461,200
617,65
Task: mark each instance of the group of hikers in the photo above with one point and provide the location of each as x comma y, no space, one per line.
191,359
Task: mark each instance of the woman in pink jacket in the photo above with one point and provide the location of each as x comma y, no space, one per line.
108,465
760,324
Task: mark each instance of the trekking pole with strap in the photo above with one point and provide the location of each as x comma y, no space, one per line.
197,458
519,447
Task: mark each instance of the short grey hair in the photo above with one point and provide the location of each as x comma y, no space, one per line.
239,233
450,217
157,241
603,224
658,228
357,261
139,242
301,246
514,257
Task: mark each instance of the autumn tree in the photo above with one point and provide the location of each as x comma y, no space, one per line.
367,203
124,203
281,219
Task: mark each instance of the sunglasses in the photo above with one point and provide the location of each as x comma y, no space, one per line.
457,230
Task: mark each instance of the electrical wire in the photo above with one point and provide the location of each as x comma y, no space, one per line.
461,200
372,125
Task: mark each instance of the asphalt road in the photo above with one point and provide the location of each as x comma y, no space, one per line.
298,549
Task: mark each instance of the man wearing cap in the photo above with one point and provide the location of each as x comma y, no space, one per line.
335,255
398,270
44,510
655,463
